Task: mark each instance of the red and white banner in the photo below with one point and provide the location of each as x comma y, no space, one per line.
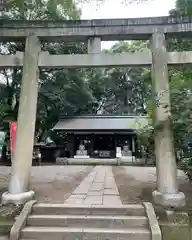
13,127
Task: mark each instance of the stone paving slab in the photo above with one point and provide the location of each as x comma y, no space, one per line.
74,201
111,191
95,193
78,196
94,200
98,188
111,200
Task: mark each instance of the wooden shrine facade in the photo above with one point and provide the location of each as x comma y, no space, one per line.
101,136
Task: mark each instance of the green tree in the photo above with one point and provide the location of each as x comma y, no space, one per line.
123,90
184,7
61,91
42,10
181,97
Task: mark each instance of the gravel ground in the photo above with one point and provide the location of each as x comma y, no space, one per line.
51,183
136,184
56,183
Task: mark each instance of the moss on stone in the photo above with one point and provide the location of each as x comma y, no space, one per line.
181,218
9,211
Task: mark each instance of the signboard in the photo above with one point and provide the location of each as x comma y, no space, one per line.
13,127
2,141
118,152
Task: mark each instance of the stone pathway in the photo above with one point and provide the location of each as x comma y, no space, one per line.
98,188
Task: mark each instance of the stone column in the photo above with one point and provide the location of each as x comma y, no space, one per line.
167,193
94,45
22,158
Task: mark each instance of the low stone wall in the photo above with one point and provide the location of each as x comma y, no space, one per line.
175,231
7,217
97,161
5,227
92,161
175,225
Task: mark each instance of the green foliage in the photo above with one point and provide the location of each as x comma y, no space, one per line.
184,6
42,10
127,89
186,166
181,98
146,141
61,91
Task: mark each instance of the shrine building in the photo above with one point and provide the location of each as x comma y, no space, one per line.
102,136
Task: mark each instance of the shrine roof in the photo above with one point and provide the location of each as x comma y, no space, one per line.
101,123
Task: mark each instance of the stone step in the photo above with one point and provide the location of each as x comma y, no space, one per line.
61,233
64,209
87,221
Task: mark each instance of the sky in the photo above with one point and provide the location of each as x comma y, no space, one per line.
116,9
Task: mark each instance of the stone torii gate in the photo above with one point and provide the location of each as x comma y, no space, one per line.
93,31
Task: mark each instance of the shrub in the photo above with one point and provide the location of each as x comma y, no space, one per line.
186,166
146,142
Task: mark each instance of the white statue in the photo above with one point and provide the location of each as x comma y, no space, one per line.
126,152
81,151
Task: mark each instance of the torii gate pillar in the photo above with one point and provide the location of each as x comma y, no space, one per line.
167,193
18,192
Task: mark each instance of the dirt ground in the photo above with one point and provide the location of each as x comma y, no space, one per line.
51,183
136,184
56,183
